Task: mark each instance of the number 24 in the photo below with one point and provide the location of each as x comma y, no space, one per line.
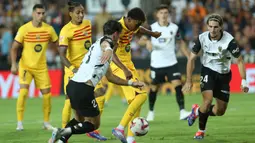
204,79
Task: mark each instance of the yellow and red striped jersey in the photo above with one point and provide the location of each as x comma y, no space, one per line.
78,39
35,42
124,50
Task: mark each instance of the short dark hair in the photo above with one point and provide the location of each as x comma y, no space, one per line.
112,26
72,5
137,14
215,17
162,6
41,6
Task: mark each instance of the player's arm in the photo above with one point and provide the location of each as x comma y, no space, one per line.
107,48
119,81
117,61
14,51
191,65
62,53
183,46
143,30
235,51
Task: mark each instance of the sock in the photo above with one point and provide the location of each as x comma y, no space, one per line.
137,114
109,92
100,102
81,128
132,108
210,112
179,97
152,99
69,124
21,101
66,113
46,107
202,120
130,139
120,127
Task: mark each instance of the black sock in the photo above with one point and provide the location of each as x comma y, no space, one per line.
81,128
210,112
202,119
179,97
152,99
69,124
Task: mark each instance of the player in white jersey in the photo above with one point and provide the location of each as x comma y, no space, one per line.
80,88
164,62
217,47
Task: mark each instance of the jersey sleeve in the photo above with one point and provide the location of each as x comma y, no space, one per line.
63,37
108,40
53,35
234,49
20,35
197,46
178,35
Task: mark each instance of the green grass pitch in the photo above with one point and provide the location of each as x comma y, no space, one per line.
236,126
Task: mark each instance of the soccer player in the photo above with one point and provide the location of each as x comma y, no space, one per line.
74,43
217,47
125,69
109,93
164,62
34,37
80,88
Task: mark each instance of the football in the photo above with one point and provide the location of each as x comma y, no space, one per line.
139,126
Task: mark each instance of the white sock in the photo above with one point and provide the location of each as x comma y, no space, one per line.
19,123
130,139
202,131
120,127
196,112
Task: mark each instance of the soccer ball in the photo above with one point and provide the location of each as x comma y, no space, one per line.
139,126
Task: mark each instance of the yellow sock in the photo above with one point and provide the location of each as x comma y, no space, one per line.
66,113
137,114
100,102
109,92
46,107
133,108
20,107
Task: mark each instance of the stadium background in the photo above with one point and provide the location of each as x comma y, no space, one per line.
190,15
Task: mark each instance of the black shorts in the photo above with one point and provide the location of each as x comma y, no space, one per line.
162,75
218,83
82,99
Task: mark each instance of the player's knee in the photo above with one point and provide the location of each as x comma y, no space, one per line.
23,92
144,97
220,112
45,91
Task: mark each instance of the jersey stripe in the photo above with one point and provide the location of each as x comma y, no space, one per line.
76,39
82,28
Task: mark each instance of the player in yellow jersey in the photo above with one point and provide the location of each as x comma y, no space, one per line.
124,68
34,37
74,42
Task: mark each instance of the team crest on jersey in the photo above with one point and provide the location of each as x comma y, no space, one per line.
38,48
220,49
37,36
87,44
127,48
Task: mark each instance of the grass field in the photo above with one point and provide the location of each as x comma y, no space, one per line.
236,126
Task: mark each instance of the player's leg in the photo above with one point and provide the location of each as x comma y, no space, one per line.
66,112
157,77
42,81
109,92
130,135
25,79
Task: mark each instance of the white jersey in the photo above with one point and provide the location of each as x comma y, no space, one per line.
91,67
216,54
163,48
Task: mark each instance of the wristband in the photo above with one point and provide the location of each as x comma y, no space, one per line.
71,68
244,83
130,82
108,48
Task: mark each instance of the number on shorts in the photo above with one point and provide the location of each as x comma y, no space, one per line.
204,79
94,103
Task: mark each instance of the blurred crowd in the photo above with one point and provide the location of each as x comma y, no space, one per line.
190,15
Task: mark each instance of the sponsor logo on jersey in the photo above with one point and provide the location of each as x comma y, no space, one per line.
235,50
161,40
220,49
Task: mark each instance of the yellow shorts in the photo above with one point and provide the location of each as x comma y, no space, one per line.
68,76
128,91
41,77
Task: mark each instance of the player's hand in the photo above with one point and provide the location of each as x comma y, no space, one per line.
187,86
14,69
138,84
244,86
156,34
128,74
106,56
